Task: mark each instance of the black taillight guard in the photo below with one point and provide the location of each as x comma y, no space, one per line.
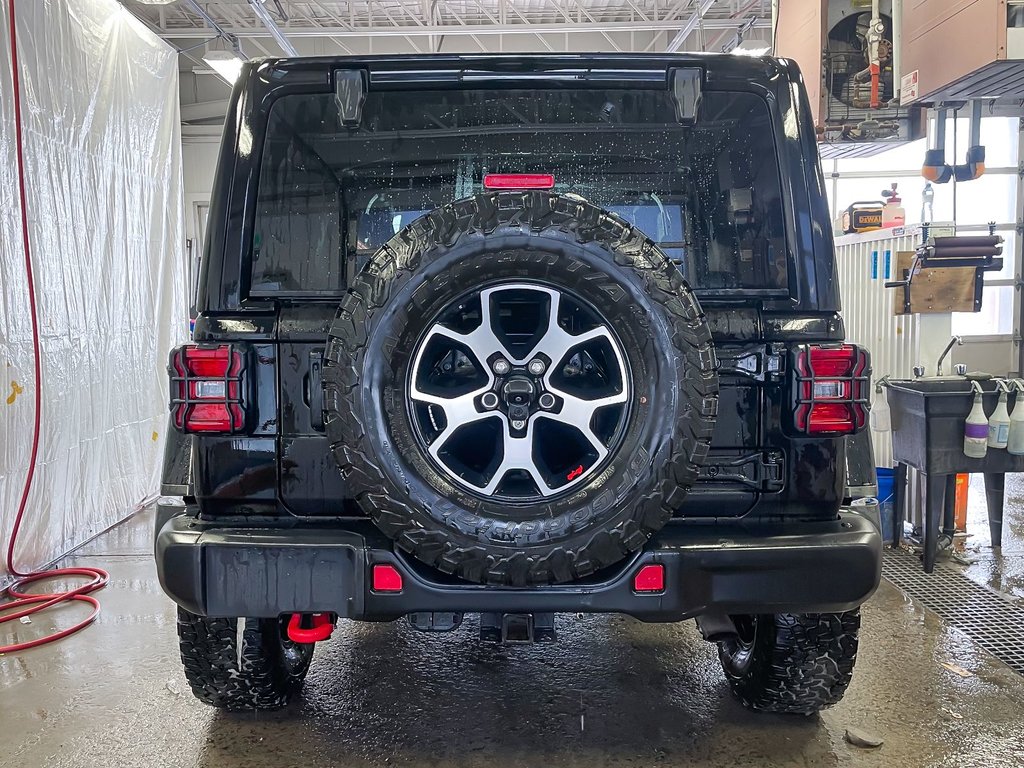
856,379
183,403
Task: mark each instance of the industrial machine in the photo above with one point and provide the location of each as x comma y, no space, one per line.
872,68
848,51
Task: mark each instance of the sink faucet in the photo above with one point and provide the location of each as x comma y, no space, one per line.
955,341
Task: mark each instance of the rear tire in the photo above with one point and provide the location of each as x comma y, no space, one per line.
519,242
788,663
263,674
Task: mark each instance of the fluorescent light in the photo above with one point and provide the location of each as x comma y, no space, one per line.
223,60
156,2
226,64
752,48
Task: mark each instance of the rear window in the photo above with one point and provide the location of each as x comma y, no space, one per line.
329,196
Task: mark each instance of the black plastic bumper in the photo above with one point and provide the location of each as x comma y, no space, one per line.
213,570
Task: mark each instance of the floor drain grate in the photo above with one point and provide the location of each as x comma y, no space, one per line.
991,620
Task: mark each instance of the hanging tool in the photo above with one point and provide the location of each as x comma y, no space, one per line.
935,168
874,38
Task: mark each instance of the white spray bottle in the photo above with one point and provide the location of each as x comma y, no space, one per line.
976,427
999,421
1015,443
880,418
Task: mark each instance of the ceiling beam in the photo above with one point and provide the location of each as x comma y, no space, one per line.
204,110
201,13
192,134
271,26
640,25
701,7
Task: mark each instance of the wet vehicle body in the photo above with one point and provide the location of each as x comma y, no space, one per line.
258,521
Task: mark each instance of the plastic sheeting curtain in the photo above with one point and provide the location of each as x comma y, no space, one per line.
102,156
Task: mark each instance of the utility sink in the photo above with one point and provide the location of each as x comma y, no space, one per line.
928,425
936,384
928,418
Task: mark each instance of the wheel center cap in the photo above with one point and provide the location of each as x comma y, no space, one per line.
518,390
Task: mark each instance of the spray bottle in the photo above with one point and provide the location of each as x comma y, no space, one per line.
927,203
880,419
999,421
976,427
1015,443
893,213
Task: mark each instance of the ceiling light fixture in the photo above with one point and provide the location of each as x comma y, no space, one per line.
752,48
224,59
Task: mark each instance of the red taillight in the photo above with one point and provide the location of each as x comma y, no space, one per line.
650,578
206,389
386,578
832,389
519,181
828,418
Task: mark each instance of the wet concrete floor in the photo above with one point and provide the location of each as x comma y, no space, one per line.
611,692
1002,570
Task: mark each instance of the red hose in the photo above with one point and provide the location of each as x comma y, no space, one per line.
33,603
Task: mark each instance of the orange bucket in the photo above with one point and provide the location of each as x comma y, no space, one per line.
960,505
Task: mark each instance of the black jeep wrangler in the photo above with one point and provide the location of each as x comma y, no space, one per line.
517,336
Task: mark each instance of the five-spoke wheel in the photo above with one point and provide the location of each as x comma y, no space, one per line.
519,390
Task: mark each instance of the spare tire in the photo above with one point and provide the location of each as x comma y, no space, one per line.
519,388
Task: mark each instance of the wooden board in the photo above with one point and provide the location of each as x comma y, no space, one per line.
943,289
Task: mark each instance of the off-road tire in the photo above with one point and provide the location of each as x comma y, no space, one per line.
259,676
513,236
795,664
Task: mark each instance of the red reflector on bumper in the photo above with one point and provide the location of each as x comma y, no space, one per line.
386,578
650,578
519,181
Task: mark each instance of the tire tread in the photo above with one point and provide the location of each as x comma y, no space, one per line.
209,654
801,665
675,470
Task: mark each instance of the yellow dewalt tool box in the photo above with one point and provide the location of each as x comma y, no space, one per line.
862,216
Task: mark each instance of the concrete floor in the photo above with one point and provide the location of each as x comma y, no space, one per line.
611,692
1003,571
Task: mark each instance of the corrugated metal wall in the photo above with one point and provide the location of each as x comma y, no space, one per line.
865,263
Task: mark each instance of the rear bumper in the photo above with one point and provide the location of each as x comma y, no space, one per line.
213,570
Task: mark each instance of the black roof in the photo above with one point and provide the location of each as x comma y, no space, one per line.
759,69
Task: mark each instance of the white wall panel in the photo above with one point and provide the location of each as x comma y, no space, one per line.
894,342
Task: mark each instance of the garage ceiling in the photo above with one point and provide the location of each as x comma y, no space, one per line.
342,27
386,26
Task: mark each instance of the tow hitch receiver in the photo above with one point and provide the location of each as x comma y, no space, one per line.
310,627
517,628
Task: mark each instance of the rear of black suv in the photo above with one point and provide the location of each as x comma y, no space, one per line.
517,336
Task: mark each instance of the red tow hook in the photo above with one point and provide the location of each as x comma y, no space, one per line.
318,626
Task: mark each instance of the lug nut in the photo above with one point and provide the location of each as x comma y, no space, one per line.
536,367
489,400
547,401
501,366
518,424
